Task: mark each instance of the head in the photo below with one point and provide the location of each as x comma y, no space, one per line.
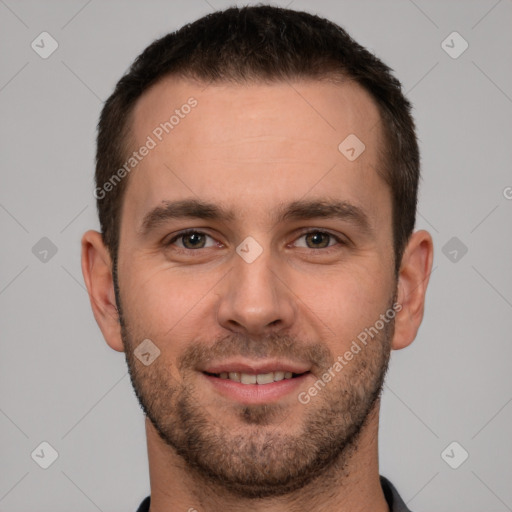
258,45
257,176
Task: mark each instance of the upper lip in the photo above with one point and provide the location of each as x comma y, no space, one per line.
256,367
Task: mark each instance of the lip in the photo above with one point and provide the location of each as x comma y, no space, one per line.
256,368
253,394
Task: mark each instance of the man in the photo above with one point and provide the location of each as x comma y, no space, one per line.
256,180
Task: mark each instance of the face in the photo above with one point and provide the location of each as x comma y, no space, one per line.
253,254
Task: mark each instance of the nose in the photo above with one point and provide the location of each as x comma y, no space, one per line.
255,299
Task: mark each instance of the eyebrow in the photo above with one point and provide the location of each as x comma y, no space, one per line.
296,210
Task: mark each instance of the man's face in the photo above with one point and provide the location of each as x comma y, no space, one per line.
283,282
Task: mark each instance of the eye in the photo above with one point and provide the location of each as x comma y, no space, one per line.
318,240
191,240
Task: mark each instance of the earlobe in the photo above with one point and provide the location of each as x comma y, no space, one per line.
413,280
97,272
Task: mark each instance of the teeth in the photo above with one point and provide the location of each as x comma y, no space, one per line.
262,378
265,378
246,378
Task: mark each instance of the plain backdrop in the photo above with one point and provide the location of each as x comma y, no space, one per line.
59,381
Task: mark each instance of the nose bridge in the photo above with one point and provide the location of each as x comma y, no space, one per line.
253,298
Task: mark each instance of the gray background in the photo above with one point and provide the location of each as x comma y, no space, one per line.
61,383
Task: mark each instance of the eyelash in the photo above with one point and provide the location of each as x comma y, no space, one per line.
340,242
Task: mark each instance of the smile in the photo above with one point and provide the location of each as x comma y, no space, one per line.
260,378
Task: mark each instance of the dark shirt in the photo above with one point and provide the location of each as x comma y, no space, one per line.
395,502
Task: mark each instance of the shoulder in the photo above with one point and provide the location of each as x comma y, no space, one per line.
144,506
395,502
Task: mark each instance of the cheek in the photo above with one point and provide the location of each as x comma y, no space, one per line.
166,303
175,306
350,300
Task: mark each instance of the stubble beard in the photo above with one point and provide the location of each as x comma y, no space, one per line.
246,451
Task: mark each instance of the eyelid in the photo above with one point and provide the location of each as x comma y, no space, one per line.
168,242
305,231
341,240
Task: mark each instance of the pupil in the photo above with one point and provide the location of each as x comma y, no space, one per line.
193,239
317,238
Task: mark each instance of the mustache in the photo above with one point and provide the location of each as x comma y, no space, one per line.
269,346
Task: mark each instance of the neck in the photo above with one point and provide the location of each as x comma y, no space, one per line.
352,486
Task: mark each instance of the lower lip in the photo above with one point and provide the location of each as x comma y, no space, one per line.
256,393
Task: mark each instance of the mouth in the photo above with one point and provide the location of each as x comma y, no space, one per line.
260,378
257,383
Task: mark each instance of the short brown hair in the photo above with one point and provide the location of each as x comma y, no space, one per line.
253,44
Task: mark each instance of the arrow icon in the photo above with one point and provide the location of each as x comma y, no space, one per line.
454,455
454,45
44,455
249,249
44,254
454,249
147,352
351,147
44,45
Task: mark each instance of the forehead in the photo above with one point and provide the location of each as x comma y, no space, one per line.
254,143
321,109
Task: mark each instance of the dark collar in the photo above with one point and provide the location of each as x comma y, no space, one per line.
395,502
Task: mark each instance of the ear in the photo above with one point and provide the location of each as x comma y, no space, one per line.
97,271
413,279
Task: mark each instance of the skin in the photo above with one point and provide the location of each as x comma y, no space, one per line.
250,148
